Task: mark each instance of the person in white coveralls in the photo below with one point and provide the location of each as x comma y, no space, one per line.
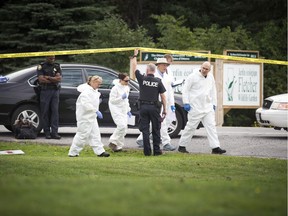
167,80
199,99
87,112
120,111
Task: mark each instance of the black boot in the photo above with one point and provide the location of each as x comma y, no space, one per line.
218,150
104,154
182,149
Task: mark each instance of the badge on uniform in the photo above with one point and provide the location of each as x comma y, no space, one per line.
54,71
39,67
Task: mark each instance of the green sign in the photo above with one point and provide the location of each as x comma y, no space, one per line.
244,54
151,57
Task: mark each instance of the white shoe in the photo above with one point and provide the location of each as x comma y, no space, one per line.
140,143
169,147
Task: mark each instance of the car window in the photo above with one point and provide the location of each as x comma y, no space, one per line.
134,86
107,77
72,77
33,81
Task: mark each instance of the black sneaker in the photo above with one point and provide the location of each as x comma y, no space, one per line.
218,150
73,155
158,153
120,150
47,136
55,136
182,149
104,154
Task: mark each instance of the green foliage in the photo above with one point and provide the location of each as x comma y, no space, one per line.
55,25
272,42
173,34
114,32
276,33
45,181
217,39
243,117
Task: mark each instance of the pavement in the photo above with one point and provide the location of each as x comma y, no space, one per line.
238,141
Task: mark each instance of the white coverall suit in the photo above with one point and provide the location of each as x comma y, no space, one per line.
200,93
119,108
167,81
169,94
88,131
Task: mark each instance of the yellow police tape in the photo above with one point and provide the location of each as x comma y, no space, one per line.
188,53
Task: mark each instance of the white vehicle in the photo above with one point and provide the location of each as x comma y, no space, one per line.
274,112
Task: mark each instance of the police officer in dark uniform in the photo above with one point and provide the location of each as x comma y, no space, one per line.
150,107
49,76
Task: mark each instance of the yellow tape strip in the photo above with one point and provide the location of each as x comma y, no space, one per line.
92,51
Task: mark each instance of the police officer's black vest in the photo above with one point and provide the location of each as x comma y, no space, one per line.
150,88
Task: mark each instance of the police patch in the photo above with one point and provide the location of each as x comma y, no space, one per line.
39,67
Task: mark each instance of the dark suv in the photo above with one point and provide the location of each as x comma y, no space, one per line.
19,97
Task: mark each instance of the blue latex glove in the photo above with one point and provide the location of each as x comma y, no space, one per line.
173,108
124,96
214,107
129,114
187,107
99,115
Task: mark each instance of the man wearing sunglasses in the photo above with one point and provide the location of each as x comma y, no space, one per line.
120,109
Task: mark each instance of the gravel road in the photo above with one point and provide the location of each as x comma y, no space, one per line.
238,141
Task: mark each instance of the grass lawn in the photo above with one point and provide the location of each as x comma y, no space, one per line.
45,181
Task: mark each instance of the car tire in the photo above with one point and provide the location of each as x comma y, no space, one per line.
30,112
175,127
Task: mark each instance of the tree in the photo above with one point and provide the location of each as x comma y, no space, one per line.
272,42
175,35
31,26
218,39
114,32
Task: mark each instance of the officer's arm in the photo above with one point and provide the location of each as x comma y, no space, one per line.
163,99
55,79
43,79
133,61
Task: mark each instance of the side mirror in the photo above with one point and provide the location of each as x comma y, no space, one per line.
3,79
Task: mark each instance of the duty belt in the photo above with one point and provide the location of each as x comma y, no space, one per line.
147,102
44,87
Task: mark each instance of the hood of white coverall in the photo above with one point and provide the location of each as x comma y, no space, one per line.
87,103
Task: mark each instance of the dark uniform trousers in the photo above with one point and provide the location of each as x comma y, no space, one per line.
150,113
49,105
